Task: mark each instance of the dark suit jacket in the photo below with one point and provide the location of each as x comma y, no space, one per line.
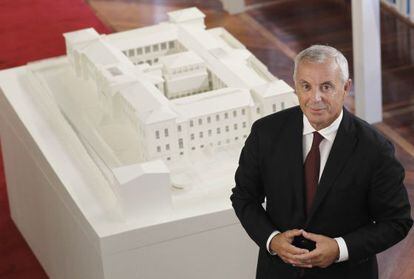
360,197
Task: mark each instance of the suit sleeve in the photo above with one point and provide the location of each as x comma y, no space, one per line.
389,207
248,194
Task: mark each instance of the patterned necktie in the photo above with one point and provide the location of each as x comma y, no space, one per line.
312,166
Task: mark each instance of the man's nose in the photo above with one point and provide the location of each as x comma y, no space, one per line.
316,95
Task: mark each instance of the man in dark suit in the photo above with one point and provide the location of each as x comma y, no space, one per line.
334,190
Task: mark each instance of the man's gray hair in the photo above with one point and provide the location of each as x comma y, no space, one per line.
319,54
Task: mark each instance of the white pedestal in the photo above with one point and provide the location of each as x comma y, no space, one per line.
69,216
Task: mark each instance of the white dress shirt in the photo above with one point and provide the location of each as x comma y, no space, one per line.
329,134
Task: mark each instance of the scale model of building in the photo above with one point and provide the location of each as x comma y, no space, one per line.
146,99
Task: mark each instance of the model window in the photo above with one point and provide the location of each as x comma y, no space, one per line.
192,136
226,115
227,128
167,146
131,52
209,132
180,143
156,60
283,105
243,111
244,124
157,134
158,148
201,146
218,130
274,107
155,47
139,51
208,119
217,117
236,138
179,128
147,49
227,140
125,52
171,44
201,134
258,109
181,153
166,132
200,121
163,46
234,113
191,123
193,148
235,126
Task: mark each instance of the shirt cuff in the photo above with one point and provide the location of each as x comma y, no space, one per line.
268,242
343,250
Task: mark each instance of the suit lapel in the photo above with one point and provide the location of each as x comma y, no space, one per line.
340,152
297,164
294,161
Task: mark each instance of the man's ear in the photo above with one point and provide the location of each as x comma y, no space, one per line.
348,86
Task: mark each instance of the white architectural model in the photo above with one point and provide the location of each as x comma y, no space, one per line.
162,105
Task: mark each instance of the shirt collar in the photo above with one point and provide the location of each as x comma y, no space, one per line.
328,133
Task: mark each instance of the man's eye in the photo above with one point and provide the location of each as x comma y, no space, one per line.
326,87
306,87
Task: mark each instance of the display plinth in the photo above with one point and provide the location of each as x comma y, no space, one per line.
69,216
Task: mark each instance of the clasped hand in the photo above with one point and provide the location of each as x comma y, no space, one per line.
325,253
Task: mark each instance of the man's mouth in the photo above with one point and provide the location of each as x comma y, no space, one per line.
316,109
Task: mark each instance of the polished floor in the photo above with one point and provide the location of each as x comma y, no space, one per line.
275,31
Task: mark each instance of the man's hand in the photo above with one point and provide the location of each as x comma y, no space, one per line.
325,253
282,245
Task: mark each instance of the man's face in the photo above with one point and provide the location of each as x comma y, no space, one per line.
321,91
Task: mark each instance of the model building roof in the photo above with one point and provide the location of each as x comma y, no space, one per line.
142,37
181,59
147,102
216,101
80,36
273,88
185,15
